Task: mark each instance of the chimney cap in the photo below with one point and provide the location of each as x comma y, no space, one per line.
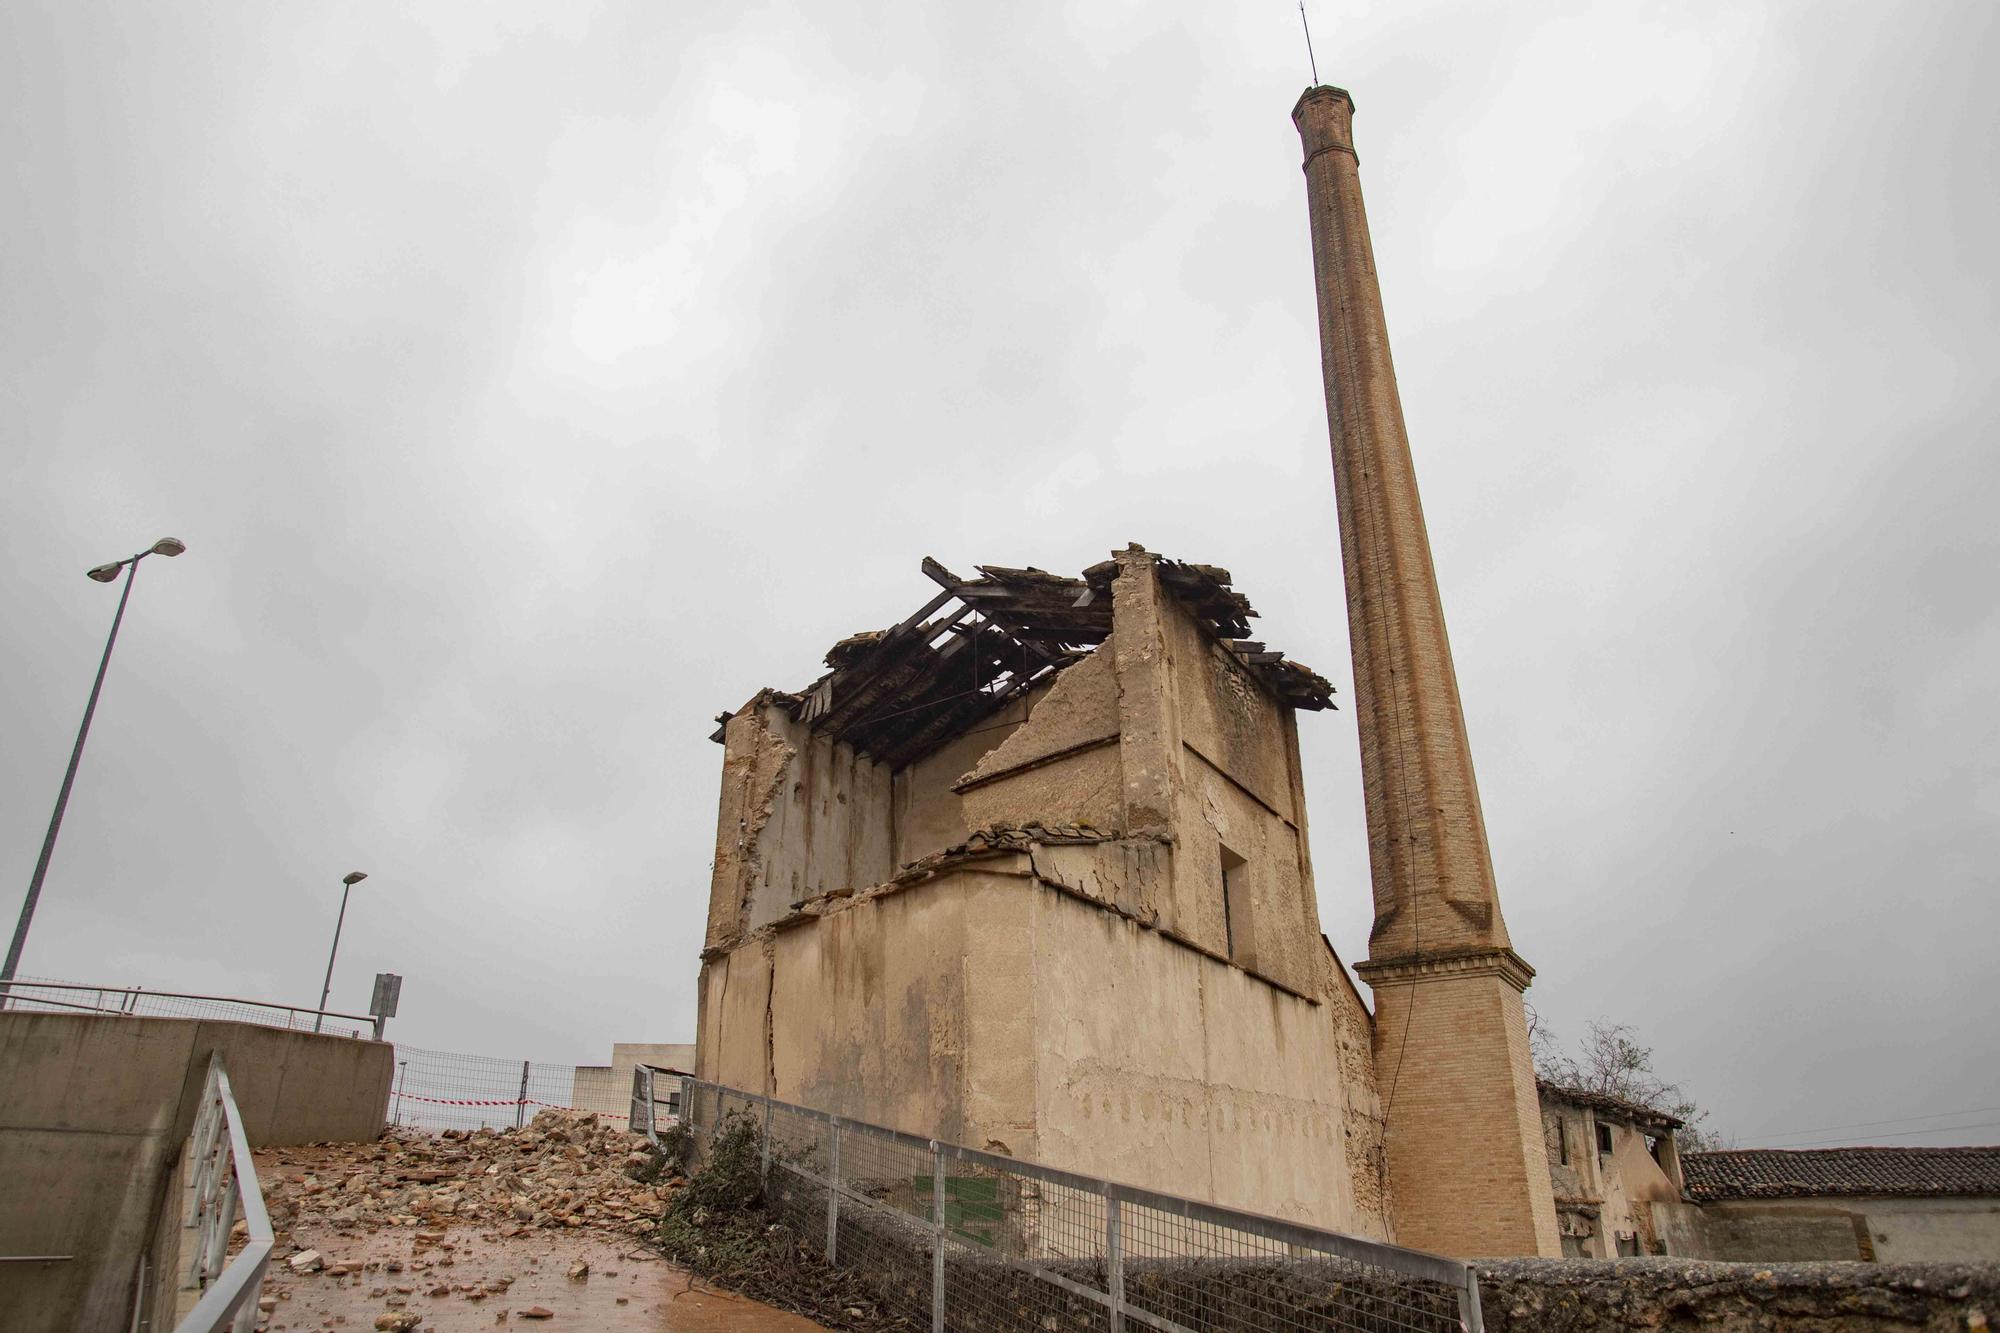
1322,92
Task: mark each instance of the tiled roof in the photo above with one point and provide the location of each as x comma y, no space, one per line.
1634,1112
1773,1173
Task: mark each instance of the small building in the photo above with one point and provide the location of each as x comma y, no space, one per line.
1611,1161
1895,1205
607,1089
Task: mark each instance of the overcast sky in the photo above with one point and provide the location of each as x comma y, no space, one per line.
531,383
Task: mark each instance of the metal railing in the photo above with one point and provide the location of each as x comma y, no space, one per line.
954,1238
137,1001
225,1188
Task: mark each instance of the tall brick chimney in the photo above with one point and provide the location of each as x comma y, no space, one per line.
1468,1171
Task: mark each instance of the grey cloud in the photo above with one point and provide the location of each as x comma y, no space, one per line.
531,383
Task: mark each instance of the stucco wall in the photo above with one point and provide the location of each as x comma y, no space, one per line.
1890,1230
1165,1068
988,1008
930,815
1935,1230
94,1110
829,825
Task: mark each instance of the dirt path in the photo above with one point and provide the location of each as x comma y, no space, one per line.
626,1290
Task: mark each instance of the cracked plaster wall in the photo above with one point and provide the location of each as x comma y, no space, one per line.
800,816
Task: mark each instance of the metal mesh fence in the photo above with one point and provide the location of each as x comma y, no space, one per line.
433,1090
46,995
950,1238
437,1090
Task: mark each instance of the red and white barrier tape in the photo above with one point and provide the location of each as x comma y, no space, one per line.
510,1101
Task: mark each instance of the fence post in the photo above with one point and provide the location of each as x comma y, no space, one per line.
1470,1317
641,1117
767,1143
521,1101
1114,1261
212,1241
197,1162
833,1193
937,1239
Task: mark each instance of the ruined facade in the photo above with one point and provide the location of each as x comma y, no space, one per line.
1029,870
1611,1162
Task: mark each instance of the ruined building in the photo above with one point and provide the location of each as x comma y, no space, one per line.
1613,1164
1029,870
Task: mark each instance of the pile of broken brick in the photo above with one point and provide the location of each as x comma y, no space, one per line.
563,1169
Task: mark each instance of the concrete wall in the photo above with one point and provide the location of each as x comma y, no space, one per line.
94,1111
1886,1229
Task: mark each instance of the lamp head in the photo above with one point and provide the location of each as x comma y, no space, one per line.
106,573
353,877
168,546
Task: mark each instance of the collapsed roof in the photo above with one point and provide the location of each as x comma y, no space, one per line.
897,694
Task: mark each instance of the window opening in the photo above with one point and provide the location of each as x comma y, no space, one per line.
1233,900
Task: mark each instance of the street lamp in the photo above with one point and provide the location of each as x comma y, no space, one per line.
168,546
350,879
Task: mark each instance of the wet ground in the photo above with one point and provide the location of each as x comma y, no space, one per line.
475,1279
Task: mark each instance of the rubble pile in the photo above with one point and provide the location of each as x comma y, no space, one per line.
564,1169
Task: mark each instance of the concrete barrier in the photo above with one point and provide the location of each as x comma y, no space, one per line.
94,1112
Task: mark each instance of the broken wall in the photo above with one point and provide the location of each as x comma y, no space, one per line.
930,814
800,816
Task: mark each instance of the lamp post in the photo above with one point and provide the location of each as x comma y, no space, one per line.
349,880
168,546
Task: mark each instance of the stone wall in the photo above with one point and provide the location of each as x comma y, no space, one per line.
1591,1296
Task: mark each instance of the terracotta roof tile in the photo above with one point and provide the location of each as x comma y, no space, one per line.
1774,1173
1636,1112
